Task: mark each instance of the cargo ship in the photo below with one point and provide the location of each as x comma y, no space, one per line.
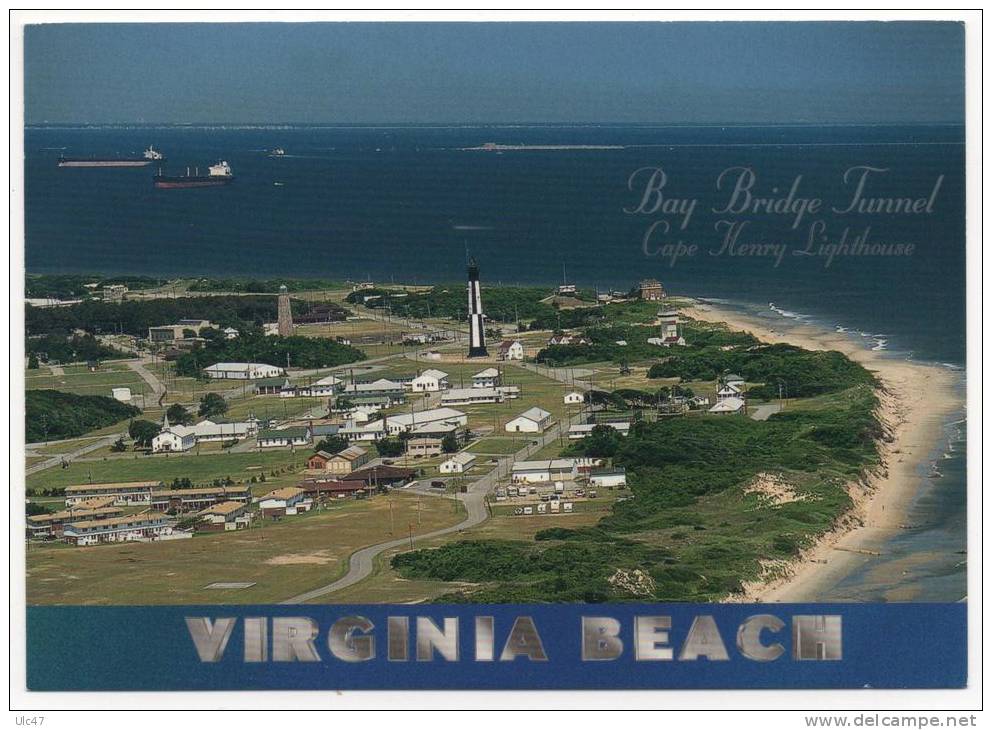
148,157
219,174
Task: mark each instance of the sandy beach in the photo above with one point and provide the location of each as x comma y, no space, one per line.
915,400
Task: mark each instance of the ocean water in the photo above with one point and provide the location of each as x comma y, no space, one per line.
407,204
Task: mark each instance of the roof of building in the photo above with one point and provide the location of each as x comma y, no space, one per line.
352,452
72,514
463,457
373,473
222,508
284,493
615,471
325,455
113,485
293,432
95,503
728,405
507,344
143,517
732,376
200,492
534,414
470,393
271,382
435,427
329,380
543,464
433,373
238,366
330,485
487,373
434,414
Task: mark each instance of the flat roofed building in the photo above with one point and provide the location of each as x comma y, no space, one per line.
533,420
224,516
468,396
122,493
320,490
581,430
284,501
546,470
616,477
242,371
423,446
458,463
144,526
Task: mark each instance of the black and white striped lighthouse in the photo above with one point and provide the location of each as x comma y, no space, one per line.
476,319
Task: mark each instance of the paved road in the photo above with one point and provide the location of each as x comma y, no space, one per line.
70,455
761,413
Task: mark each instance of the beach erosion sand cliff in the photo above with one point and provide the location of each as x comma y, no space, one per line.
915,401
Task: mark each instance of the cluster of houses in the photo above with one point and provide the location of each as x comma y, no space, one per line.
562,470
179,438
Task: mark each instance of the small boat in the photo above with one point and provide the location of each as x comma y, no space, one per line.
277,152
148,157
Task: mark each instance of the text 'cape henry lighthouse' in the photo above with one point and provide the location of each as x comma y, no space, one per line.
476,319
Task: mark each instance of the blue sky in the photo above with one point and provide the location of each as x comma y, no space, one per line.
694,73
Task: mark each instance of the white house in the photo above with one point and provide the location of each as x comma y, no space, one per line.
225,516
488,378
616,477
466,396
430,381
574,397
285,437
371,431
458,463
533,420
511,350
728,391
408,421
230,333
326,386
241,371
363,414
728,406
546,470
285,501
174,438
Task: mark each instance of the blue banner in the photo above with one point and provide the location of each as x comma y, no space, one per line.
441,646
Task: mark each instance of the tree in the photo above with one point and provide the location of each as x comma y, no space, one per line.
178,414
389,447
212,404
602,441
449,444
33,362
142,432
118,446
333,444
33,508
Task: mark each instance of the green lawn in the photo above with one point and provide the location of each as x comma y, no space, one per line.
199,469
498,445
282,558
79,380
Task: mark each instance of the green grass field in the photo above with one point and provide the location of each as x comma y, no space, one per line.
496,445
282,558
199,469
79,380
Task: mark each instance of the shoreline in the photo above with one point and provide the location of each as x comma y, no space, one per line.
915,401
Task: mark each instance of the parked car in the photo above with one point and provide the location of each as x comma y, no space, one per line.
438,484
